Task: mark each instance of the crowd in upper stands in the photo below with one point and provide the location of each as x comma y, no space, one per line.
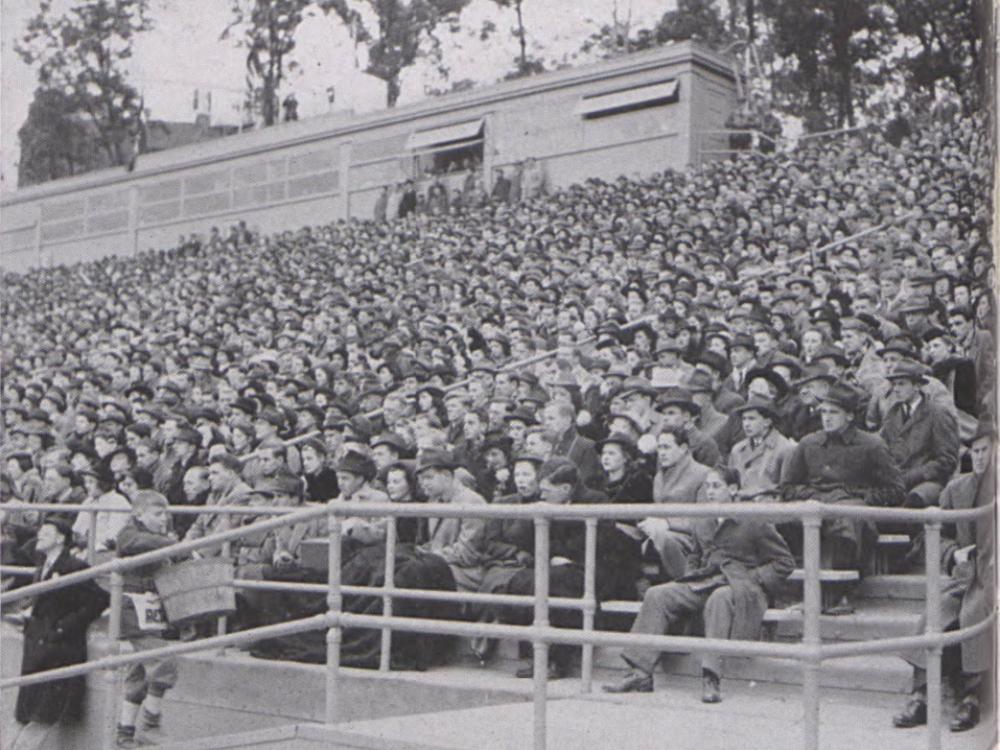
611,341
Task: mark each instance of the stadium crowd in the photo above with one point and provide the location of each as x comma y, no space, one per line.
705,334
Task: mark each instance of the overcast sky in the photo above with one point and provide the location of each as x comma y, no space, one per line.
183,53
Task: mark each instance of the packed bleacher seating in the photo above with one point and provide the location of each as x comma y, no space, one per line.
709,331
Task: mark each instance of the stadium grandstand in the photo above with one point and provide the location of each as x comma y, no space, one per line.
720,410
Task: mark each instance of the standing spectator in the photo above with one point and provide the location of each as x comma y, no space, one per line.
501,186
533,181
969,555
55,636
142,623
381,204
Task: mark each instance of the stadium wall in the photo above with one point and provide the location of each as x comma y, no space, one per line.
634,115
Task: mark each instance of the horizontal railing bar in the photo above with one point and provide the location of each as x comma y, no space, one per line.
687,643
780,511
237,510
475,597
314,622
127,563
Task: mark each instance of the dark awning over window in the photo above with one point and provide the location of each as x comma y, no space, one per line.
463,131
626,99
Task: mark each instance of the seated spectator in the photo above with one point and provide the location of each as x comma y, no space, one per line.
733,566
227,489
678,479
320,479
559,420
842,465
100,491
921,436
460,542
758,458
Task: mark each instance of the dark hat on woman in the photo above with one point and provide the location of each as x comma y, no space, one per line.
618,438
358,464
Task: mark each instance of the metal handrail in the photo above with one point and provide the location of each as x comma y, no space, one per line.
811,651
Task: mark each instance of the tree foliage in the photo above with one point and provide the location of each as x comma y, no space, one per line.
699,20
55,142
830,52
402,30
80,55
268,36
949,35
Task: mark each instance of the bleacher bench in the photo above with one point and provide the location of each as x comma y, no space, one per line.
772,615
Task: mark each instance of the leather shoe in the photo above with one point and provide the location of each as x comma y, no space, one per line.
710,691
633,682
966,717
914,715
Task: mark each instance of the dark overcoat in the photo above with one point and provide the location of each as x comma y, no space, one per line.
970,596
925,446
748,555
56,636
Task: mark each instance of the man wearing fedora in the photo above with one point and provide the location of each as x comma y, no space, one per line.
968,554
922,436
679,411
759,457
842,465
460,542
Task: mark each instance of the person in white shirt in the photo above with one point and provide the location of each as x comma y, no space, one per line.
100,492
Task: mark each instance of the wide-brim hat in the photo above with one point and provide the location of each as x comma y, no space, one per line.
391,439
766,373
617,438
908,370
814,372
637,385
677,396
763,405
358,464
842,395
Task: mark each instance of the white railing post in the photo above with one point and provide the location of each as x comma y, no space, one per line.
389,582
540,647
222,622
334,602
589,602
811,629
92,538
111,676
932,549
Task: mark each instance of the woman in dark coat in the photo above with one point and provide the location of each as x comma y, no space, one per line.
56,633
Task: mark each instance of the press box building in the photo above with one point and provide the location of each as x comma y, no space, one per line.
637,114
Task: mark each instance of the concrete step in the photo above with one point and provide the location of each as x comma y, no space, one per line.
911,586
881,673
877,618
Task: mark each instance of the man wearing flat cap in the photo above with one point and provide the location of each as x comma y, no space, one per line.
843,465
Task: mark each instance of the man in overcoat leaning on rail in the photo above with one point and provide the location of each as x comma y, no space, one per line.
969,555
